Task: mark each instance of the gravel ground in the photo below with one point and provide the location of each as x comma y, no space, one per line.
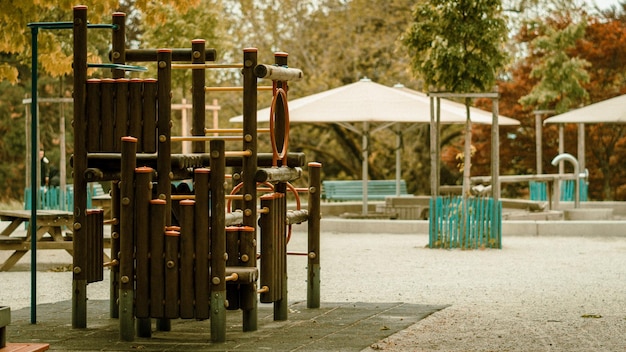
536,294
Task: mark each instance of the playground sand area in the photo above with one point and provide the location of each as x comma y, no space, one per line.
537,293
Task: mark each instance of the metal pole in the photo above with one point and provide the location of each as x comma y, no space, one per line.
398,156
581,147
538,143
365,171
34,188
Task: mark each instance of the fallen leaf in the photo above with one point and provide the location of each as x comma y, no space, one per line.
594,316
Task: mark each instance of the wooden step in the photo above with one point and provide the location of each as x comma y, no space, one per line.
25,347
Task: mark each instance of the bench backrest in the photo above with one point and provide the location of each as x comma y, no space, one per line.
345,190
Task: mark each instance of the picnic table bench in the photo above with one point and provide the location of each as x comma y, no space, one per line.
352,190
50,226
49,222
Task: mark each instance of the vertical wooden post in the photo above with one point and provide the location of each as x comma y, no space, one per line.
187,253
281,309
92,102
143,195
496,216
121,112
281,306
94,238
313,223
172,249
127,243
115,250
249,303
157,259
118,56
149,118
218,242
118,42
198,102
135,107
79,283
201,226
268,248
107,91
164,97
232,250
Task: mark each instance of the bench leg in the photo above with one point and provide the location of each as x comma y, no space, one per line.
12,226
12,260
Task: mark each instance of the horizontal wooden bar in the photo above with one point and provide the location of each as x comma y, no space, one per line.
297,216
205,66
232,130
526,178
150,55
243,275
238,153
233,89
204,138
278,73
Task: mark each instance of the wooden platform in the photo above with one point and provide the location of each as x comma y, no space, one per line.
25,347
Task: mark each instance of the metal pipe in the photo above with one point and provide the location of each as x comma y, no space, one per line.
571,159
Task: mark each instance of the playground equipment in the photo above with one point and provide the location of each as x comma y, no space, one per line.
571,159
176,250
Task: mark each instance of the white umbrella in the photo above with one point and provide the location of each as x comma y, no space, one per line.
607,111
366,101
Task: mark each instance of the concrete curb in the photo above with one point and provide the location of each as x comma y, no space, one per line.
509,227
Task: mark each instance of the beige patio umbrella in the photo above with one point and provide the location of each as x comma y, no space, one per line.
368,102
607,111
612,110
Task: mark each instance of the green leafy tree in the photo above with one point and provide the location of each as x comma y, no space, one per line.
561,77
55,46
457,46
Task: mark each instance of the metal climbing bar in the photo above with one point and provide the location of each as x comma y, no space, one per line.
119,67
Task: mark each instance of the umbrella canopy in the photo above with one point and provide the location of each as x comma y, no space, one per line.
607,111
366,102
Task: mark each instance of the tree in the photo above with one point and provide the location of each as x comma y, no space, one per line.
55,46
457,46
561,76
335,43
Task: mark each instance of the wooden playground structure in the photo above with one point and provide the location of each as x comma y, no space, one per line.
184,240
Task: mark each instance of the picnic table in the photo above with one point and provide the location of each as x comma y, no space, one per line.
50,222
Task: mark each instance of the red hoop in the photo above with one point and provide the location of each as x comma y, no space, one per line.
275,155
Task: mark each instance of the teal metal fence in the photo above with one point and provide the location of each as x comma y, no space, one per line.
468,224
568,188
50,198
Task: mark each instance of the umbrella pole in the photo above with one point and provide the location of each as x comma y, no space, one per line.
364,176
467,157
398,156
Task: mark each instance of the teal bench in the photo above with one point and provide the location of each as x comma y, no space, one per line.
347,190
